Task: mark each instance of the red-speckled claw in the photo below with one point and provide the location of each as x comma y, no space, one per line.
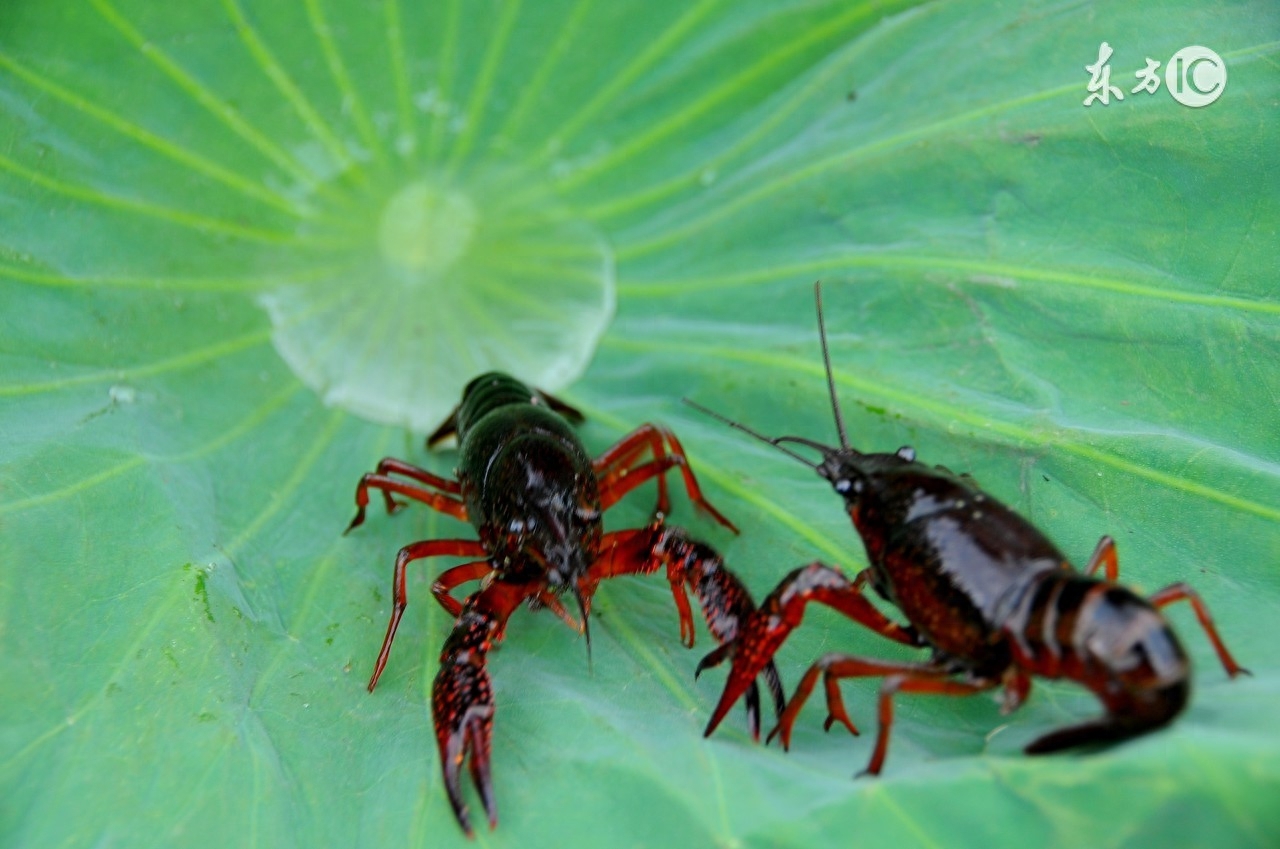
462,696
763,631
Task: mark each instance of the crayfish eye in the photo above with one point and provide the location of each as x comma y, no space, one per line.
849,486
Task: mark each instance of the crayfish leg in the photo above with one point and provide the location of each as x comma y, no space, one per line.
399,591
564,408
447,428
902,678
620,470
1183,592
447,500
1104,557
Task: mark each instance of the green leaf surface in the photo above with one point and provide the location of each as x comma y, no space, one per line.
250,248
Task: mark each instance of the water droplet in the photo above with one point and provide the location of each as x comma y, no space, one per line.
445,277
425,100
121,394
426,228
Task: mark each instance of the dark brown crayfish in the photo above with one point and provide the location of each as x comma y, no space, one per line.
983,589
536,500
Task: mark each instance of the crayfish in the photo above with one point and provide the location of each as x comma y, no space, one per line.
981,587
536,500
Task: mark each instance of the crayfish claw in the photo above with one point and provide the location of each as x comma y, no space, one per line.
462,697
775,688
774,733
713,658
481,776
453,788
469,738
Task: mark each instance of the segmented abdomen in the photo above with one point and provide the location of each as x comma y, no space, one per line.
1103,635
487,393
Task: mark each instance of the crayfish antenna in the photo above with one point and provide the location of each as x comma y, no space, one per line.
826,362
586,625
774,441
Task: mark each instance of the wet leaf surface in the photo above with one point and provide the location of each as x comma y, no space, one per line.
1077,305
